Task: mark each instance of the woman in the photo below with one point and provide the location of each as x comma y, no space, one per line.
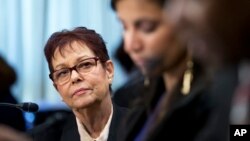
82,73
151,42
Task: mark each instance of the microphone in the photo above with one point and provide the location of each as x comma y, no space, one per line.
26,106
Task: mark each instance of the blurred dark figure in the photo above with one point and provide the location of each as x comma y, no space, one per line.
9,115
217,33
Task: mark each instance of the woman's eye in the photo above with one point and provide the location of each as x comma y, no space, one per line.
86,64
147,27
62,73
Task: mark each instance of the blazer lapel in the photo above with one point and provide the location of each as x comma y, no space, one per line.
70,130
118,114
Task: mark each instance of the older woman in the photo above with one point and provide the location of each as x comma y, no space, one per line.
82,73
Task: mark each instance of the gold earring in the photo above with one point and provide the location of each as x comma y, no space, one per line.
146,81
187,78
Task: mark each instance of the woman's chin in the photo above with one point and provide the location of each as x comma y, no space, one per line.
79,104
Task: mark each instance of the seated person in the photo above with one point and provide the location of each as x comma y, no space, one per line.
82,73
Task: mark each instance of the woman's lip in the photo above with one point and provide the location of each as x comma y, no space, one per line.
80,91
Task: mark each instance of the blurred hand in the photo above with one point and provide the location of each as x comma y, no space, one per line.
10,134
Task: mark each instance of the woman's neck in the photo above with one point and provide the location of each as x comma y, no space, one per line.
95,118
174,75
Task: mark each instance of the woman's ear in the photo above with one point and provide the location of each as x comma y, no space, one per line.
110,70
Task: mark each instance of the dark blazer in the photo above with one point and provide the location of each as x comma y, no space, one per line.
221,92
66,129
11,116
185,117
135,89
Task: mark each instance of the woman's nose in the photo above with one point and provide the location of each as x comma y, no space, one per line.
75,76
132,42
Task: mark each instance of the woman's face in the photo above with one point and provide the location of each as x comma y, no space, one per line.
82,90
148,38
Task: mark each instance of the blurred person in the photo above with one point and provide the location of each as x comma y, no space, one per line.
123,96
82,73
10,116
173,82
217,33
8,133
147,27
124,59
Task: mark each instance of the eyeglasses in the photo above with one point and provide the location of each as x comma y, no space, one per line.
62,76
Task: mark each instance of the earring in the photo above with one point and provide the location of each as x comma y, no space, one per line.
187,78
146,81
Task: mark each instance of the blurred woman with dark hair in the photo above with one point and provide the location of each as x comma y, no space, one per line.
172,83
